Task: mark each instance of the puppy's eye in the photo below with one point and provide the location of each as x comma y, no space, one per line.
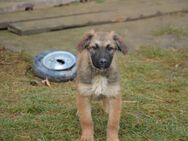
95,47
109,48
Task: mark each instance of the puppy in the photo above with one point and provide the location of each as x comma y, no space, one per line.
98,78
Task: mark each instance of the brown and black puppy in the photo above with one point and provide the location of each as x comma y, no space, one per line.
98,78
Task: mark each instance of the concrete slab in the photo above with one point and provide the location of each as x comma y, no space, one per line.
48,25
135,34
21,5
49,13
127,8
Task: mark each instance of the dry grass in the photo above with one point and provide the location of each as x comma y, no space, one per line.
178,32
154,89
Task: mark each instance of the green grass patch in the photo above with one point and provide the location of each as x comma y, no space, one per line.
154,89
178,32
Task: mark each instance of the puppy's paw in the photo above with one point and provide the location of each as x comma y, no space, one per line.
113,139
87,138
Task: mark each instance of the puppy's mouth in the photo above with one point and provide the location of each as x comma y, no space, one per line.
102,67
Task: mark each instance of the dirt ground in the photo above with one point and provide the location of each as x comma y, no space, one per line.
164,31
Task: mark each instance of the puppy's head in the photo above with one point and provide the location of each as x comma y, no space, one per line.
102,46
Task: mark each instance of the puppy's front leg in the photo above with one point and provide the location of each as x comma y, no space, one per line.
84,110
114,118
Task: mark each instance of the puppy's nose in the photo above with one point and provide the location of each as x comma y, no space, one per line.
102,61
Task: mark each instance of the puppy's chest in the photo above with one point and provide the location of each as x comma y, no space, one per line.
99,85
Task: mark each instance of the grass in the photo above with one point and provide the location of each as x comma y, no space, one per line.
154,90
178,32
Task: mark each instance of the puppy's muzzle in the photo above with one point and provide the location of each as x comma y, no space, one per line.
102,62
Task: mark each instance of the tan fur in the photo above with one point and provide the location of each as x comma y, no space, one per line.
94,83
99,87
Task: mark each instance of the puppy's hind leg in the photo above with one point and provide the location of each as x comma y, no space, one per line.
84,110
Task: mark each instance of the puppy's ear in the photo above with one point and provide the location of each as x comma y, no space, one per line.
121,46
84,43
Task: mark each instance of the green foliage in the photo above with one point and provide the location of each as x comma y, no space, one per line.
170,30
